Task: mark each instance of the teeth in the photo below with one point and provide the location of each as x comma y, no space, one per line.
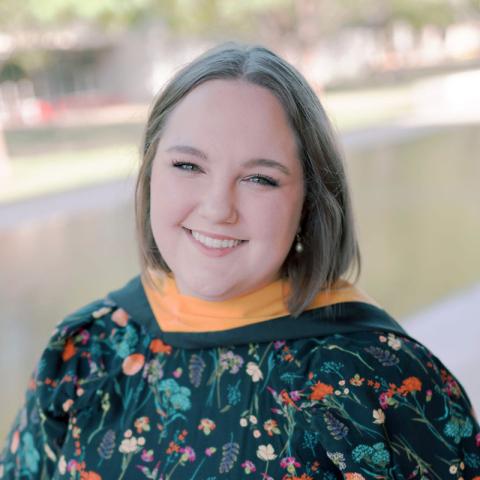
215,242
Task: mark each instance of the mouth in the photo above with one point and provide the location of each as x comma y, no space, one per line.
214,243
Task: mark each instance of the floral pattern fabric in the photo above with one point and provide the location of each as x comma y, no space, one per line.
109,400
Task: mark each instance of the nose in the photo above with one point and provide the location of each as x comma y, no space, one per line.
218,204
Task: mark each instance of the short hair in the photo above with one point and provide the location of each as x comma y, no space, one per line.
328,232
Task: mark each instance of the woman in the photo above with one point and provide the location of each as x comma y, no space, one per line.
241,350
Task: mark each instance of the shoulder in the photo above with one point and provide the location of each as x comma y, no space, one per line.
387,404
86,348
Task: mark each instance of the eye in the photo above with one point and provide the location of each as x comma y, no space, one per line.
187,166
263,180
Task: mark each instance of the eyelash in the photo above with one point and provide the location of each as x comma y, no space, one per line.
262,179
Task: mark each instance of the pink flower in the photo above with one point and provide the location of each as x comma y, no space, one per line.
72,465
295,395
279,344
383,399
287,461
249,467
210,451
85,336
147,455
188,454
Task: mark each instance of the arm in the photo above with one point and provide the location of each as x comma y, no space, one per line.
398,412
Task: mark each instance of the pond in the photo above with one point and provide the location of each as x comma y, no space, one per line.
417,205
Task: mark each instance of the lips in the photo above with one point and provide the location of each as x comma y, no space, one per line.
214,236
215,245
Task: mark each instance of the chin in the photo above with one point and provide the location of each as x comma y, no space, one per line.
206,291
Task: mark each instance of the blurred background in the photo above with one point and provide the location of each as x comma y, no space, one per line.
400,80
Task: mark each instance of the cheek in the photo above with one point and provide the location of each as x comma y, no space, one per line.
275,220
168,204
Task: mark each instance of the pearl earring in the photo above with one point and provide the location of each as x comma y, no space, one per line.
299,244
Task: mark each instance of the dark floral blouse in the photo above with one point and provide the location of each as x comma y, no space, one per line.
114,397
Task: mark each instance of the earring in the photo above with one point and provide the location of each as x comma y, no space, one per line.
299,244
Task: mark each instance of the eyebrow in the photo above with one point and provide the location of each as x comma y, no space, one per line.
254,162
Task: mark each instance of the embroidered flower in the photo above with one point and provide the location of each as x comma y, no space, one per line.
320,391
383,400
133,364
394,342
120,317
142,424
254,371
338,459
158,346
289,463
354,476
90,476
188,454
271,427
153,371
409,385
295,395
248,467
266,452
206,425
69,350
147,455
230,361
379,416
210,451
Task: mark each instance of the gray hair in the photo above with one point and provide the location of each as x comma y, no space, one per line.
328,233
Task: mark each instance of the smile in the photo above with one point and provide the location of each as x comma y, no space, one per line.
215,242
217,246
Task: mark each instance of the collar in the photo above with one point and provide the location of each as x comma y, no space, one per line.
344,310
175,312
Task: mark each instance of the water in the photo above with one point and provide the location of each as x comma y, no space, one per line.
417,205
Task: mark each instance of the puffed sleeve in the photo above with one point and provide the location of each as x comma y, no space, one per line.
383,406
57,386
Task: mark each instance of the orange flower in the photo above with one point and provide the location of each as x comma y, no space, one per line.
120,317
410,384
157,346
357,380
173,447
271,427
69,350
354,476
320,391
90,476
133,364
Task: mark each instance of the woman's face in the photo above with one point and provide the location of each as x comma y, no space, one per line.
227,190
